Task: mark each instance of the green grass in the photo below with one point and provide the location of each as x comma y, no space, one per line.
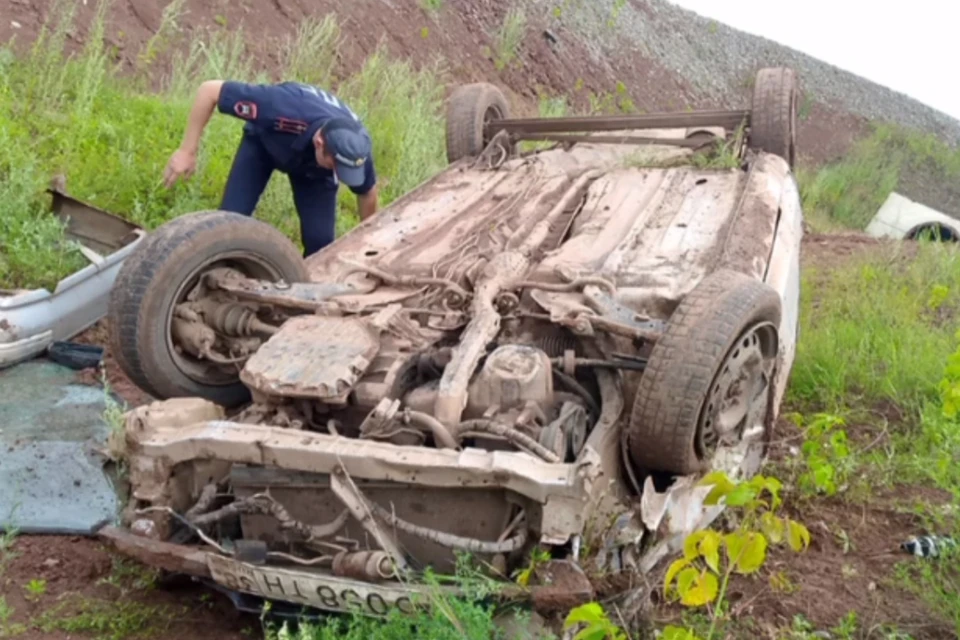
112,135
937,582
106,620
850,192
879,337
875,339
471,616
879,329
508,37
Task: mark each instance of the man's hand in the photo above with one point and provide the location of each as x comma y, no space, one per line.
182,164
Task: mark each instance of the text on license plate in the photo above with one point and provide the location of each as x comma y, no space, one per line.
314,589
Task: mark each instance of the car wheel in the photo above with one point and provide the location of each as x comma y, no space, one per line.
469,109
773,118
160,275
708,383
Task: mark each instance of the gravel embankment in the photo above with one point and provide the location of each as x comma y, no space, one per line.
716,60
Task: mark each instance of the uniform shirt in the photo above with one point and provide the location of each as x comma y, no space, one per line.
285,117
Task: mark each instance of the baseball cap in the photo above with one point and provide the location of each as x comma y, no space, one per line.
350,145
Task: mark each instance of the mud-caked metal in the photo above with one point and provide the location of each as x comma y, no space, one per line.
516,353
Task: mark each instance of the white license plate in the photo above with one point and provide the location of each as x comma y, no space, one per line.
318,590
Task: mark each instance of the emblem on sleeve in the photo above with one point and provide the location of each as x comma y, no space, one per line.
246,110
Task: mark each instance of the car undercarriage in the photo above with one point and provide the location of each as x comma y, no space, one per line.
545,349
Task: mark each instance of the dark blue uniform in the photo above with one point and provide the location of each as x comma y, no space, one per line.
281,121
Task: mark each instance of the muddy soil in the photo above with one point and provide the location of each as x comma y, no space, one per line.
89,592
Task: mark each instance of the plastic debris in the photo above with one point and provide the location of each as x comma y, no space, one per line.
76,356
927,546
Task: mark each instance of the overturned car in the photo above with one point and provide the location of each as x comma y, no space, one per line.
540,347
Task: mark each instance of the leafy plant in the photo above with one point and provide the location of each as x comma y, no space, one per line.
710,558
825,452
537,557
36,588
950,385
596,624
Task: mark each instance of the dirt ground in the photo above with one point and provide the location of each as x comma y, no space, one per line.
862,540
88,584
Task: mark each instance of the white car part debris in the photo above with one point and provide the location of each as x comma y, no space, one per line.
903,219
30,321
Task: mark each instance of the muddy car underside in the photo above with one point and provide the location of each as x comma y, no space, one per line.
530,349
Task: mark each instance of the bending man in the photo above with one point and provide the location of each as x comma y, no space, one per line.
294,128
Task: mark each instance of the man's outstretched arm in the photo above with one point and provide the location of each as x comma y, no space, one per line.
368,198
367,203
183,162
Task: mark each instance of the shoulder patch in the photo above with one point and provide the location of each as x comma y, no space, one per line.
246,110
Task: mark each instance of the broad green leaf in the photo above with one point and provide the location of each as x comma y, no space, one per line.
703,590
722,485
772,527
741,495
754,554
672,572
733,542
685,580
691,544
746,551
710,550
798,535
589,613
773,486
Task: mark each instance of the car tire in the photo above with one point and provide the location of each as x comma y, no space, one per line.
773,118
679,397
156,276
469,109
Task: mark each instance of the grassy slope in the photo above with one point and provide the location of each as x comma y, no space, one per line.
848,193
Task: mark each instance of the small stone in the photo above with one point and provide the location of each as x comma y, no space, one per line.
145,528
872,586
51,563
76,483
15,24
